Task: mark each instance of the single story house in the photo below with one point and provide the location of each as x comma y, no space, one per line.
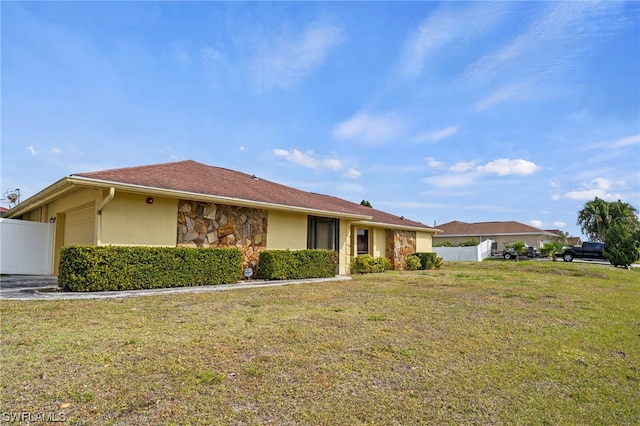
190,204
502,233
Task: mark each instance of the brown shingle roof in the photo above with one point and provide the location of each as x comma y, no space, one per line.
486,228
194,177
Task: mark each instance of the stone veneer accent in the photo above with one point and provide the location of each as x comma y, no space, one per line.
216,225
398,245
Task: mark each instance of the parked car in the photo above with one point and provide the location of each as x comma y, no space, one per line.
588,250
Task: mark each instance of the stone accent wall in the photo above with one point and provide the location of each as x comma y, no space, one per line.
216,225
398,245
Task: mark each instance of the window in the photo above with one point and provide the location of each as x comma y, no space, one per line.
322,233
363,241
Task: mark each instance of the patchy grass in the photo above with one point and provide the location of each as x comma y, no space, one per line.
489,343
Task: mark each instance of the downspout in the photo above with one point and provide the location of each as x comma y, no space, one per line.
107,200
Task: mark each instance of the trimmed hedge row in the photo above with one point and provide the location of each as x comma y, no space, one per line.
104,268
296,264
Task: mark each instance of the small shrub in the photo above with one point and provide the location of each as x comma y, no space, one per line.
437,263
366,264
429,260
412,263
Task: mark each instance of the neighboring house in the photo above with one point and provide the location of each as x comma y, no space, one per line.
574,241
190,204
3,210
503,233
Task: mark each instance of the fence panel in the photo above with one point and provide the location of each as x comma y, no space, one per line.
465,254
26,247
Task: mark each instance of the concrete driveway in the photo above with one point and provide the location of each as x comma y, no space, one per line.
27,282
30,287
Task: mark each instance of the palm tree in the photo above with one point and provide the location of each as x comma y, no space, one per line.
593,218
597,216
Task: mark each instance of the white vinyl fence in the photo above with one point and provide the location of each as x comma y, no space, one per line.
26,247
465,254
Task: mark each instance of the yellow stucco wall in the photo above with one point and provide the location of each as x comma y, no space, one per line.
70,201
286,231
75,203
379,242
129,220
423,242
345,246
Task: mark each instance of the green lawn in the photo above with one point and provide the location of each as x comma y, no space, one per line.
492,343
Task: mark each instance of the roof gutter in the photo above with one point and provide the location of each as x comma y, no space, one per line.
107,199
103,204
399,227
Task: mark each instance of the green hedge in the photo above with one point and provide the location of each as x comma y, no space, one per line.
90,268
429,260
296,264
366,264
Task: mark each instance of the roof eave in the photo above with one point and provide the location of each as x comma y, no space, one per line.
43,197
399,227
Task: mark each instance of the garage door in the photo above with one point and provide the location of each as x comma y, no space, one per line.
79,226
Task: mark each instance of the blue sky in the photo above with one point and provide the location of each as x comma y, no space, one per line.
470,111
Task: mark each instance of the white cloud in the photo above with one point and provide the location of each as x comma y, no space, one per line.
602,183
433,163
513,91
352,173
370,128
450,180
287,61
435,136
559,224
537,223
505,166
628,141
242,148
598,187
462,166
56,150
444,27
32,150
553,39
555,197
308,159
